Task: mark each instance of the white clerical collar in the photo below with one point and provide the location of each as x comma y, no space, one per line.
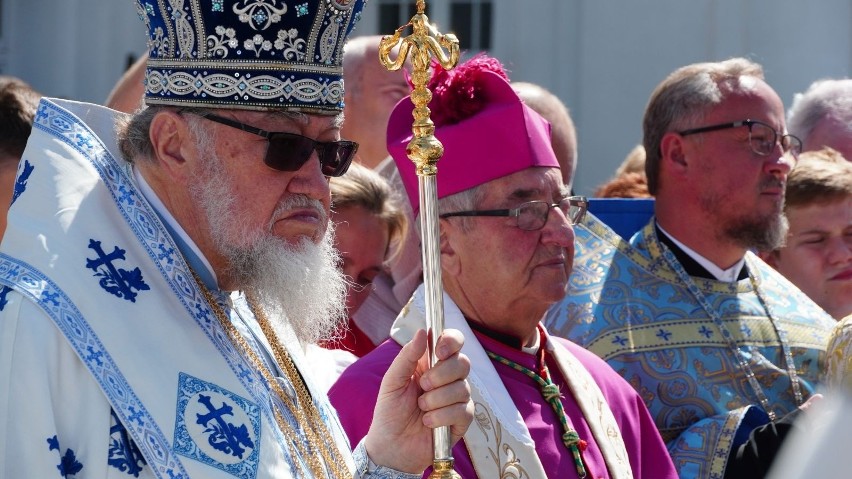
533,348
729,275
188,248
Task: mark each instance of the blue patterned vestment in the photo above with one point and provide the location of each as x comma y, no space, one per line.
627,305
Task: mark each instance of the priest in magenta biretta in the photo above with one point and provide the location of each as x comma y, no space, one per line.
544,407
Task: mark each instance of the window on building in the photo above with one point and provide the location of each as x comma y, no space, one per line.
471,22
395,13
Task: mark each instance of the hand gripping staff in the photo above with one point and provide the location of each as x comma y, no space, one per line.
425,150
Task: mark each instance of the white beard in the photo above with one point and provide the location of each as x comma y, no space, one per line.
299,287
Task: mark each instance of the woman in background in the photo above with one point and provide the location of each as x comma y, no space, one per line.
369,222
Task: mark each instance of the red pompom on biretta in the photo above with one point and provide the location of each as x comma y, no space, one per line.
458,94
486,130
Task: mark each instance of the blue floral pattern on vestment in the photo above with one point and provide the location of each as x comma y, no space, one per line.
25,169
124,455
68,464
3,301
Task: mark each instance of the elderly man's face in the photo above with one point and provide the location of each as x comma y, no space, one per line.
504,269
269,227
291,205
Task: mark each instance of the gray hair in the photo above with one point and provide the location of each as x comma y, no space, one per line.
134,140
466,200
683,99
469,199
827,98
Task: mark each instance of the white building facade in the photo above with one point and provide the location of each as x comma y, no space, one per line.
601,57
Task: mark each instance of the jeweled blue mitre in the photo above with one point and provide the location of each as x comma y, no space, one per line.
249,54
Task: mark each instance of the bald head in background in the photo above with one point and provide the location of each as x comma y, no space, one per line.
371,93
127,93
563,134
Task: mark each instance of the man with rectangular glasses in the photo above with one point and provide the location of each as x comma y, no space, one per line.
723,349
545,407
157,289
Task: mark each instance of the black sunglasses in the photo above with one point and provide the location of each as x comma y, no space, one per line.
290,151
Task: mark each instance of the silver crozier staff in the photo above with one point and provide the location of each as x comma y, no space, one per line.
425,150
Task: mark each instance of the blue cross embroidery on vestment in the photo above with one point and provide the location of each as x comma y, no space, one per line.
124,455
125,195
94,355
24,171
202,313
68,463
167,253
50,296
244,373
114,280
224,436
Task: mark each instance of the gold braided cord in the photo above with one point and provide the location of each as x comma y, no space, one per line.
317,447
330,453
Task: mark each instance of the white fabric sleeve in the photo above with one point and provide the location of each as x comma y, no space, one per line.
366,469
54,419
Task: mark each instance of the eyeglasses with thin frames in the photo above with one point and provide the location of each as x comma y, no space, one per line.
532,215
761,137
290,151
